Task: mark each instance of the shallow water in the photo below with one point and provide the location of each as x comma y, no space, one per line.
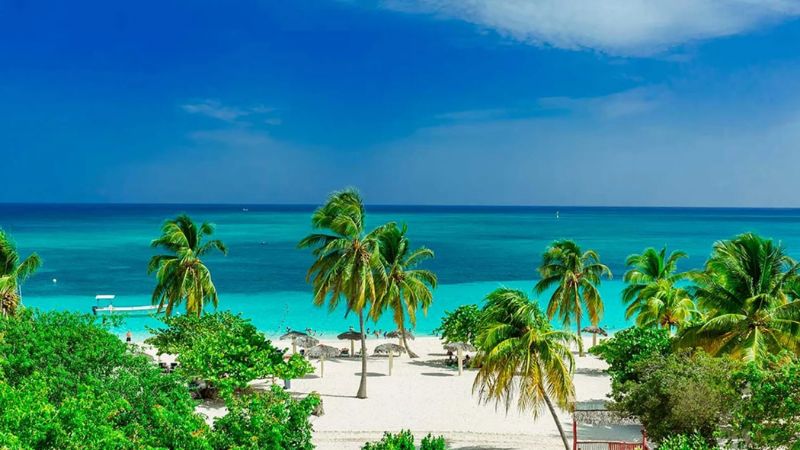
104,249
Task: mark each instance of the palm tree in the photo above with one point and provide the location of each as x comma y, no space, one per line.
348,262
520,354
575,275
749,289
646,270
667,306
12,273
407,288
182,275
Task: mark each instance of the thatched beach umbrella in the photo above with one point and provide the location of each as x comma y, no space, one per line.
293,335
352,336
389,349
396,334
306,341
595,330
459,348
322,352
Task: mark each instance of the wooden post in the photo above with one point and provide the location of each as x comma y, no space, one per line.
644,439
322,366
574,433
460,365
391,358
594,339
352,349
294,347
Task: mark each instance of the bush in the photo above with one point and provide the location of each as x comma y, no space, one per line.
768,415
683,393
629,347
66,382
404,440
460,325
271,420
224,350
684,442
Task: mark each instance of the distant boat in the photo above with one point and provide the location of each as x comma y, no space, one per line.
245,209
556,214
111,309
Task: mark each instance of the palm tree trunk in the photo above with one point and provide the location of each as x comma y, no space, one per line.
362,387
402,330
578,313
555,417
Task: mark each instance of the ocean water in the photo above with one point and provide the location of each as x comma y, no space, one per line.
104,249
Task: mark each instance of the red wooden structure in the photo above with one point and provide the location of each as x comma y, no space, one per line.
578,444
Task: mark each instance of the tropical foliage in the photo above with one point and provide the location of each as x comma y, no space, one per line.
768,414
460,325
347,264
266,420
683,393
667,306
521,356
13,272
66,382
650,272
575,276
181,275
224,351
404,440
748,291
406,288
628,348
686,442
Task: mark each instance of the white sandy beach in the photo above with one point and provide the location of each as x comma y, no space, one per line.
425,396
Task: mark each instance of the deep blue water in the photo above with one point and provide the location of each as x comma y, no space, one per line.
92,249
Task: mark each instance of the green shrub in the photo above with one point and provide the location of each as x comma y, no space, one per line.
768,415
404,440
460,325
683,393
271,420
224,350
686,442
66,382
629,347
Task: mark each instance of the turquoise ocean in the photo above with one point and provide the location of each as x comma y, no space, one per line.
104,249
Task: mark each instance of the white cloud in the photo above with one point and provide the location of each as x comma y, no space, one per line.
618,27
621,104
215,109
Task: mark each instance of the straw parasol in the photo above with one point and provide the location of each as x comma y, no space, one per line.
389,349
322,352
293,335
459,348
306,341
595,330
399,334
352,336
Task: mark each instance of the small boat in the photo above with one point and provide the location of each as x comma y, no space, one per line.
111,309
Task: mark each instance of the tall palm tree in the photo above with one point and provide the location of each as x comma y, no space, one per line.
12,273
749,289
348,262
575,275
646,271
406,288
667,306
182,275
520,354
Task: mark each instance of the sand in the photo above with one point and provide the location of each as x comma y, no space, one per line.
425,396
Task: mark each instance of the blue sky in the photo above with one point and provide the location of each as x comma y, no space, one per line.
547,102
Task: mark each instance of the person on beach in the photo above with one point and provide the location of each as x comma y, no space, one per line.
128,337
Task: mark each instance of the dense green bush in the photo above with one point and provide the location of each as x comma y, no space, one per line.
683,393
686,442
65,382
270,420
629,347
768,415
224,350
404,440
460,325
